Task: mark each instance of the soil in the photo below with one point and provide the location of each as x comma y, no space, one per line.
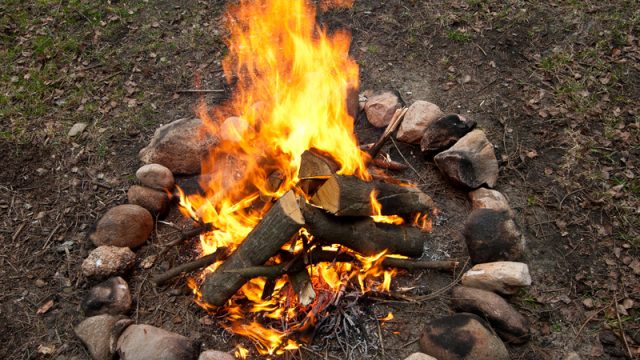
554,84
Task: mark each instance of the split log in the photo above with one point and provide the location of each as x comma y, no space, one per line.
316,166
396,120
279,224
363,235
350,196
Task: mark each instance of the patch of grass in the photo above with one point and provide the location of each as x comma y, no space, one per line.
458,36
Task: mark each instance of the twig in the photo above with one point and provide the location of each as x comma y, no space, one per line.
591,318
624,338
186,235
396,120
422,180
197,91
190,266
51,236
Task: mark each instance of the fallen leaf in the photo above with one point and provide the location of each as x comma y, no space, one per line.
44,308
46,349
531,154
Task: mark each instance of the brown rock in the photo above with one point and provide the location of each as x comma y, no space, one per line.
444,132
380,108
146,342
109,297
471,162
233,128
105,261
483,198
492,235
156,176
124,225
419,356
462,336
508,323
156,201
99,333
180,146
504,277
215,355
419,116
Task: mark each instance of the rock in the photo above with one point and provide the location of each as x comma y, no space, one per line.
106,261
483,198
146,342
215,355
462,336
109,297
471,162
444,132
504,277
233,128
572,356
156,201
492,235
124,225
380,108
77,129
100,333
155,176
419,356
508,323
419,116
180,146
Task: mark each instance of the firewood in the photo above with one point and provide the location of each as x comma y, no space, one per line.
190,266
316,166
350,196
278,225
362,234
393,125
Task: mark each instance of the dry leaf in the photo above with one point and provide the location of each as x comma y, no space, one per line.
44,308
46,349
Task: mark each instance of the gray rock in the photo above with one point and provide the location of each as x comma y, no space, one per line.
504,277
419,116
155,176
124,225
146,342
215,355
444,132
420,356
507,321
471,162
483,198
492,235
77,129
109,297
106,261
462,336
180,146
156,201
380,108
99,334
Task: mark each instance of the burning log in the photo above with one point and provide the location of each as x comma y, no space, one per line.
350,196
316,166
279,224
363,234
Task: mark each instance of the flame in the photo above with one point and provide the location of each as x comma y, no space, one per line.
241,352
376,211
387,318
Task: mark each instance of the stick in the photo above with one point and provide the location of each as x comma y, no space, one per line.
186,235
196,91
190,266
393,125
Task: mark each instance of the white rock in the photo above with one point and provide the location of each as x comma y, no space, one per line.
504,277
215,355
419,116
77,128
483,198
105,261
380,108
155,176
233,128
420,356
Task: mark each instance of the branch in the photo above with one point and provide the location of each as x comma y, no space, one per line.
190,266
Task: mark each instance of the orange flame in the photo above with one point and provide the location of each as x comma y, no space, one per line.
376,211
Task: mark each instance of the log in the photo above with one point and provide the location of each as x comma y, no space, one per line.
190,266
279,224
314,165
349,196
363,235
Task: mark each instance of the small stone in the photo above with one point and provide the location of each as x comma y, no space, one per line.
508,323
380,108
462,336
215,355
483,198
156,201
419,356
180,146
76,129
124,225
233,128
444,132
106,261
471,162
99,334
588,303
40,283
147,263
504,277
419,116
155,176
572,356
109,297
146,342
492,235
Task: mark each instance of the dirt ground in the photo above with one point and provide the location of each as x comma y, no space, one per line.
554,84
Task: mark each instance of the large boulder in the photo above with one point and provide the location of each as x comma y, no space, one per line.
507,321
483,198
380,108
105,261
100,333
155,176
146,342
492,235
462,337
155,201
471,162
441,134
124,225
180,146
109,297
504,277
419,116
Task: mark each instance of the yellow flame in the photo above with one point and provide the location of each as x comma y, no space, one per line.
376,211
